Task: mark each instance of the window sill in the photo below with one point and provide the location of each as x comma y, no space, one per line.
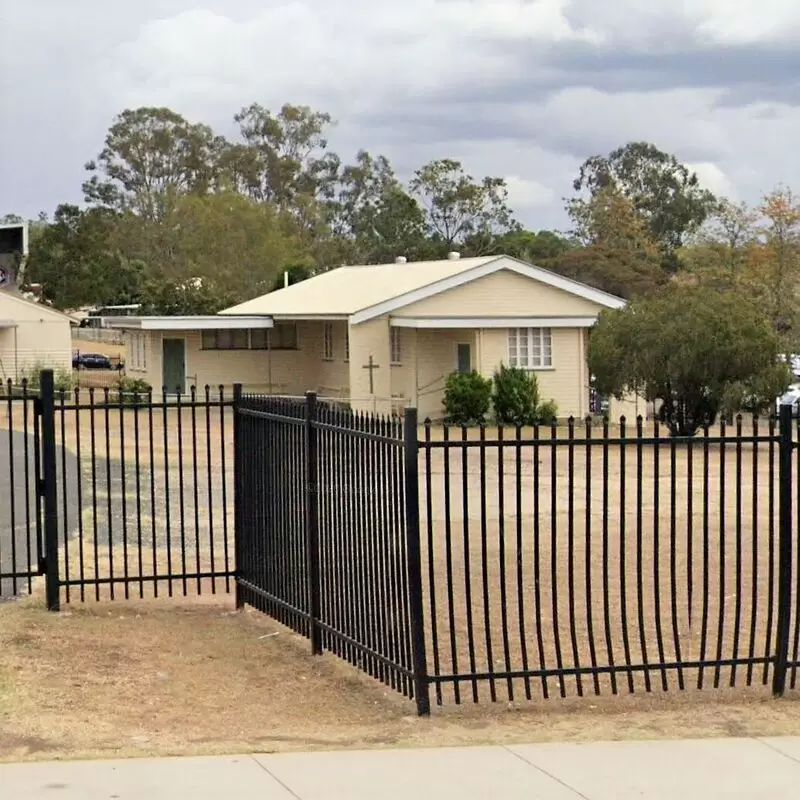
275,349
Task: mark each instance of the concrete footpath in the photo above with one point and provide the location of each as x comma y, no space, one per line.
682,770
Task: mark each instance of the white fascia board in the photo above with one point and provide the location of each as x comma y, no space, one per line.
205,323
501,262
492,322
310,318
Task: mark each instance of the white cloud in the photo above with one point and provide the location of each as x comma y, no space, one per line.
491,82
527,195
714,179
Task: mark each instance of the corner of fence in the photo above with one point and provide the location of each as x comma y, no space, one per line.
414,556
312,524
785,541
48,489
238,522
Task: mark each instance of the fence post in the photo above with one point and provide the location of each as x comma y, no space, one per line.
312,525
414,556
49,495
785,535
238,522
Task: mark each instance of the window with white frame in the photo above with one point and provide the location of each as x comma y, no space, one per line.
133,350
396,346
138,352
347,341
327,343
530,348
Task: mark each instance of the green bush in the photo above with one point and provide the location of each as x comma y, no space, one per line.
62,378
466,397
131,391
547,413
516,399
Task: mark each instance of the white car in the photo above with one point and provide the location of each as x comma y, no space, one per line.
790,397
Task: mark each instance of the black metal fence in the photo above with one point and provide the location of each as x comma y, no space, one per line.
116,495
536,563
583,561
327,532
21,554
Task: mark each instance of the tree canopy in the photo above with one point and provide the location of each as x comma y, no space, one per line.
662,192
693,350
169,201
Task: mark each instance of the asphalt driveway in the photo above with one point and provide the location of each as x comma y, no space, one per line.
18,547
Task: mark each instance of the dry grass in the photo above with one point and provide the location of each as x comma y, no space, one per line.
111,680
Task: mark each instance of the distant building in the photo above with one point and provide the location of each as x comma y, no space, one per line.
32,335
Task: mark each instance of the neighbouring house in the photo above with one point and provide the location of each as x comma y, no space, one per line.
32,335
384,336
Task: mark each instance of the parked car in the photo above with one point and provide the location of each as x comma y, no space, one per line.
91,361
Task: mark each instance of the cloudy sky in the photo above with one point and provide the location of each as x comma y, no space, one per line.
525,89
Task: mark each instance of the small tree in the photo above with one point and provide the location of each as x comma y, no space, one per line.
466,397
693,349
517,401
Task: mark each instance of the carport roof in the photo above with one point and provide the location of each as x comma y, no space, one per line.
208,322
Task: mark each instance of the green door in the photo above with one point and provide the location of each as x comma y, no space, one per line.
174,365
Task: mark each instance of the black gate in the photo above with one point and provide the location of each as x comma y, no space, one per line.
111,494
21,556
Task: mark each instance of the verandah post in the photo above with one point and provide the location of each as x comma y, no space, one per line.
414,556
238,522
312,525
785,539
48,489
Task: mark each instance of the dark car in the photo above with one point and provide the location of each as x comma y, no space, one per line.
91,361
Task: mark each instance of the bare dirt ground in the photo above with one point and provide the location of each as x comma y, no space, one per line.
147,678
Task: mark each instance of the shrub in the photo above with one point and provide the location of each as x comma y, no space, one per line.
62,378
466,397
516,398
547,413
130,391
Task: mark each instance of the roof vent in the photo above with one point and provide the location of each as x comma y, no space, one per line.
453,256
400,260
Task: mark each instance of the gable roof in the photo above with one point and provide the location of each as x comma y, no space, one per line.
14,297
366,292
